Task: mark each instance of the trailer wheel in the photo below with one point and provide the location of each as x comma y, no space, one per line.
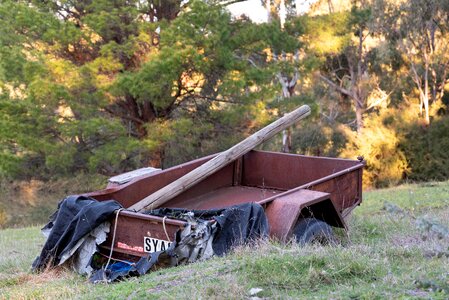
313,231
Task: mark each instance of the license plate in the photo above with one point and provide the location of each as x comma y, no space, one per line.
151,245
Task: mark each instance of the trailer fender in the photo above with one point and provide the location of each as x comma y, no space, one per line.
284,212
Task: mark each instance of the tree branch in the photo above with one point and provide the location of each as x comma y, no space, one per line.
336,86
380,100
247,59
229,2
123,116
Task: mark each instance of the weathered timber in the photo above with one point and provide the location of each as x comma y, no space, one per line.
173,189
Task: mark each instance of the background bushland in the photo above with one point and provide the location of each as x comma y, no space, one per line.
101,87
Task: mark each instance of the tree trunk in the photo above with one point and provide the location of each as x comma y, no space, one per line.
331,6
426,111
359,118
286,140
282,13
288,87
156,160
268,7
426,90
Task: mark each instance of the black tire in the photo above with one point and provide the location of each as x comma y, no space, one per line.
313,231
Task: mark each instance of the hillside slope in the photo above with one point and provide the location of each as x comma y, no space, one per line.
397,246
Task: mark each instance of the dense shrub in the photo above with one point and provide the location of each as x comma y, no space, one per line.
378,144
427,150
316,138
394,144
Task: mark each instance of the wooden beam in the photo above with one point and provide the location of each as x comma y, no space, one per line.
175,188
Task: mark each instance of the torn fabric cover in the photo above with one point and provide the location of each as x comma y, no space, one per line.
235,224
80,224
199,240
76,217
80,257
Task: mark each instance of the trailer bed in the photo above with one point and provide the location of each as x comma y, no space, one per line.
288,186
228,196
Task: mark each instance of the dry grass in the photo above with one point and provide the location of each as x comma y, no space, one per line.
28,203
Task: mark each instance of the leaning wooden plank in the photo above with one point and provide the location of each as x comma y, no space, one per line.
173,189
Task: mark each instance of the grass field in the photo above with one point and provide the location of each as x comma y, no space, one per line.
397,247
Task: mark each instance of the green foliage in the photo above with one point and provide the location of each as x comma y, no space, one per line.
103,87
359,18
426,149
327,34
320,139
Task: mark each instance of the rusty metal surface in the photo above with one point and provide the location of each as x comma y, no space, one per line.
287,171
344,181
343,190
283,183
227,196
132,192
133,227
149,218
266,170
238,168
284,211
128,193
223,178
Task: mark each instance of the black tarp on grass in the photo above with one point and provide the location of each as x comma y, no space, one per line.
77,216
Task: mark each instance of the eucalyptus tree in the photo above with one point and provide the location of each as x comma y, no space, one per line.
419,29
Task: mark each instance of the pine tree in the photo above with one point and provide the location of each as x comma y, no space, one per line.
108,86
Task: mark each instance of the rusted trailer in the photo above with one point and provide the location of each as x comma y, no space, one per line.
302,196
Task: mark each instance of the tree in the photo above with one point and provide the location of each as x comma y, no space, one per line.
348,72
111,86
419,29
288,73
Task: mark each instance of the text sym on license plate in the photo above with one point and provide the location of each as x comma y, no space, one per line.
153,245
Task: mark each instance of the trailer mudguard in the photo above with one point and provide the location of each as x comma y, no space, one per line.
284,212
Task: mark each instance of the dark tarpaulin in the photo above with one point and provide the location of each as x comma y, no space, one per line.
75,218
236,224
